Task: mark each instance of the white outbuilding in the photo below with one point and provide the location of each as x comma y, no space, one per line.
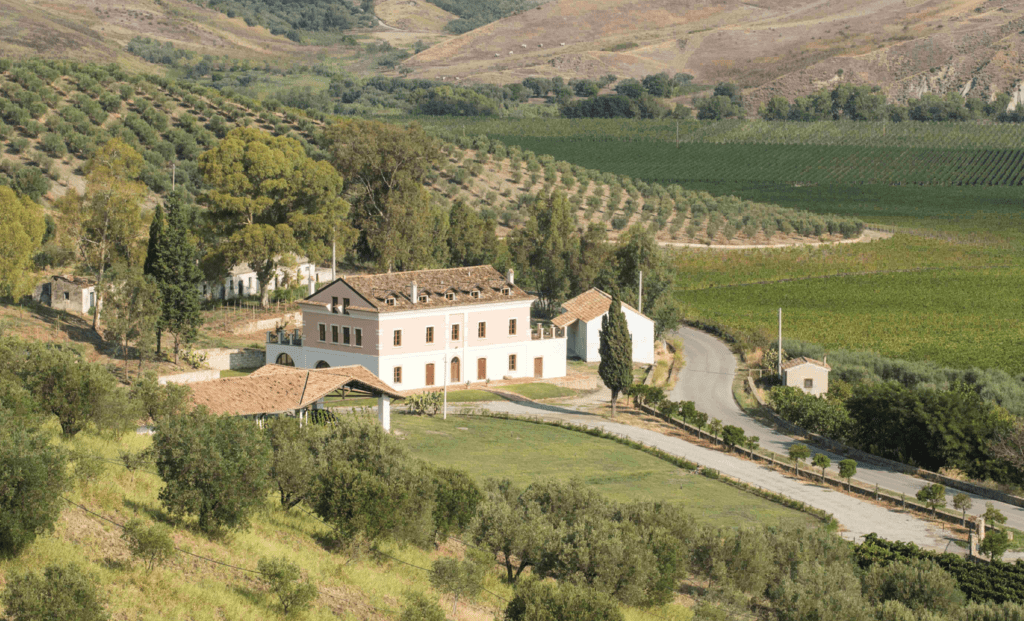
581,318
807,374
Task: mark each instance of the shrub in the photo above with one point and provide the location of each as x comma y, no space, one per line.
214,468
33,477
547,601
19,144
60,593
455,501
919,584
418,607
283,579
150,544
54,144
458,578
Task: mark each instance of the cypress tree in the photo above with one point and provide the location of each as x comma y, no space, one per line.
172,260
152,266
616,349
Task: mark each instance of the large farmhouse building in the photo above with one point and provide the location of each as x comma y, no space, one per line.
582,317
424,329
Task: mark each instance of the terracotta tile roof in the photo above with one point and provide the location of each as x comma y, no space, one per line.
586,307
274,388
483,281
795,362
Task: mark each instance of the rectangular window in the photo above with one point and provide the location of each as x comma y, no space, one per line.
359,337
808,383
430,334
67,296
398,338
398,375
334,334
334,304
344,305
455,332
346,335
511,326
512,362
481,330
323,333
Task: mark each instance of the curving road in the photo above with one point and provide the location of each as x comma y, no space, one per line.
707,380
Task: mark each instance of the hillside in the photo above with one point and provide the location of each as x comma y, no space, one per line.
54,116
778,47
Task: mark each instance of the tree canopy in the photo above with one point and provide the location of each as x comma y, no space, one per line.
23,233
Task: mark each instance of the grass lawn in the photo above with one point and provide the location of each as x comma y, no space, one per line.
472,395
525,452
540,390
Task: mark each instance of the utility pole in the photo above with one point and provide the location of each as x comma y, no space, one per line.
334,260
780,342
444,371
640,295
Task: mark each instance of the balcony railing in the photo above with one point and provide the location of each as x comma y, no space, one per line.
548,333
285,338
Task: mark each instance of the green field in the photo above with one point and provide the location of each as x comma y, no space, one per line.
539,390
524,452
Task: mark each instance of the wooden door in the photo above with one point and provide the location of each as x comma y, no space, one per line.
455,370
538,367
481,368
430,374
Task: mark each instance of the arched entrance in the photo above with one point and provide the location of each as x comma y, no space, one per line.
285,360
322,365
455,376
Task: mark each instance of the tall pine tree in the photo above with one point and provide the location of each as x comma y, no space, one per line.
150,267
616,349
173,263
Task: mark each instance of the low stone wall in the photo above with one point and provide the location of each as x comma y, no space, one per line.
192,377
859,455
233,359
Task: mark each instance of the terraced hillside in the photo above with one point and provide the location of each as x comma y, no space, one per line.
54,115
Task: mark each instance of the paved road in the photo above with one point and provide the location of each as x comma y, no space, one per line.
707,381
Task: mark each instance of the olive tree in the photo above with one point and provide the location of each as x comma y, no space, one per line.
59,593
214,468
33,477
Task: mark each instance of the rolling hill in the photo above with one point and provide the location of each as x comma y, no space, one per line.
772,47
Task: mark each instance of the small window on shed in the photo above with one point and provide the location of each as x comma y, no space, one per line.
808,382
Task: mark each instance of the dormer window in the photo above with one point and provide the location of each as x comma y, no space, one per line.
423,298
475,294
449,295
506,291
390,300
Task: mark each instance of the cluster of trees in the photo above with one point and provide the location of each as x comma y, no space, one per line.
475,13
869,103
726,101
922,426
347,95
290,18
559,261
632,98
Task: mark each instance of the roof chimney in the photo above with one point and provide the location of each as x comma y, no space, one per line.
511,277
414,292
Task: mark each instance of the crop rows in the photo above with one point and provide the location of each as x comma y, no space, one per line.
945,135
995,582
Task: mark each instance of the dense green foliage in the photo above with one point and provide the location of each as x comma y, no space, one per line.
547,601
214,468
288,17
616,351
61,592
33,475
980,582
475,13
921,425
284,580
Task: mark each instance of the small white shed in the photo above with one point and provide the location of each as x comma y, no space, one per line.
807,374
581,318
